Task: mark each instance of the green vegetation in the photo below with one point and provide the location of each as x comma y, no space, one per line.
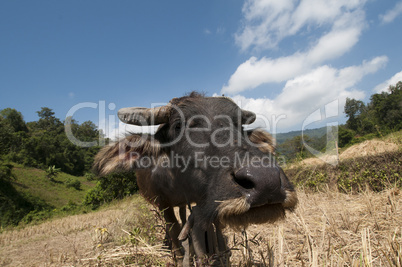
293,149
383,114
377,173
44,144
52,172
56,193
30,195
43,174
312,133
111,187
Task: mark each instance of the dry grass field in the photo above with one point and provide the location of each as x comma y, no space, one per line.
328,228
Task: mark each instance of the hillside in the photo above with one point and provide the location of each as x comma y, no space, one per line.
373,164
373,147
312,133
31,195
55,193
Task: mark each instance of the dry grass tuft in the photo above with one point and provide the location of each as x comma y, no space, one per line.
369,148
331,229
391,143
96,238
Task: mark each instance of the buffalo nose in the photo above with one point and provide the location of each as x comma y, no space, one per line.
262,185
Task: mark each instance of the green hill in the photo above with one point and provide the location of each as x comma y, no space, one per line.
55,193
31,195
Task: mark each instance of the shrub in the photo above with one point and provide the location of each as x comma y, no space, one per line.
52,172
36,216
111,187
74,183
94,197
69,207
90,176
6,171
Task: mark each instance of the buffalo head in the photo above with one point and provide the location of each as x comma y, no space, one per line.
201,154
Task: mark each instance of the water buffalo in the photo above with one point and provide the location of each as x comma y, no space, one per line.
201,155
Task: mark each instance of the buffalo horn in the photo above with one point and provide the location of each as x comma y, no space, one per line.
144,116
247,117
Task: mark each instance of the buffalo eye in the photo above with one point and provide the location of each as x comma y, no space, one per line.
176,127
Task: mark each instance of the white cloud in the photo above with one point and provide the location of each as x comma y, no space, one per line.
305,93
220,30
255,72
391,14
383,87
267,22
344,35
264,23
207,31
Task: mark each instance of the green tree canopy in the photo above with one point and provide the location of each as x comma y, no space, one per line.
383,114
388,107
14,119
353,108
44,143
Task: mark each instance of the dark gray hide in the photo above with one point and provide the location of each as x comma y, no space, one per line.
200,154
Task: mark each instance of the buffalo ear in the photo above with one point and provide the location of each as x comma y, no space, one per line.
263,140
124,154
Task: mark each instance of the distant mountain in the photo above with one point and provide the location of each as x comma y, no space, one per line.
314,133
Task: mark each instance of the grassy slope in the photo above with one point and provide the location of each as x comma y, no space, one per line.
84,239
34,182
375,163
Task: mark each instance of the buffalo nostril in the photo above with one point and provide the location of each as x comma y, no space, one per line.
260,185
243,179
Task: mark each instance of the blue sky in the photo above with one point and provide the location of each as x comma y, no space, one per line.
278,58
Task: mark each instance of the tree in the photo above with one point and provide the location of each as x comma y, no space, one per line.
14,119
353,109
6,136
47,121
345,136
87,132
6,170
388,107
381,115
45,113
111,187
52,172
